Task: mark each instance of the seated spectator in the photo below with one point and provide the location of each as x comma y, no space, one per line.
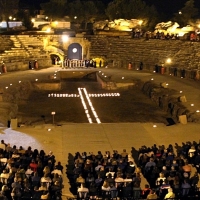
82,191
130,158
35,180
185,187
128,179
165,171
170,194
175,164
36,193
56,190
127,190
59,167
21,150
4,177
191,154
21,172
158,154
29,172
26,192
93,191
78,162
45,195
80,180
5,191
16,184
148,166
113,191
170,157
57,171
51,158
88,167
102,172
99,156
98,182
3,145
89,179
119,181
105,186
110,180
194,180
187,168
16,193
136,190
197,161
173,171
130,169
160,179
29,151
33,165
57,178
145,191
46,179
43,187
152,195
136,178
98,167
171,179
110,172
8,148
164,189
124,154
46,170
15,154
121,165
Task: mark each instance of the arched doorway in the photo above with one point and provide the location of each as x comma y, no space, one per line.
55,59
74,52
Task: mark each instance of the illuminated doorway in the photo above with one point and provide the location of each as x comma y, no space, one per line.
74,52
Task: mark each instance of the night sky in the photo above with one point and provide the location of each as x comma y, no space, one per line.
166,7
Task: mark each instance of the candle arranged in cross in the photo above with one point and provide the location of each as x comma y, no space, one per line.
90,112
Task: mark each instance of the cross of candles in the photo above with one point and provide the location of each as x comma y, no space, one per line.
90,112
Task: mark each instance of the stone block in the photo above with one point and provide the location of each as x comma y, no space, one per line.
182,99
164,85
183,119
13,124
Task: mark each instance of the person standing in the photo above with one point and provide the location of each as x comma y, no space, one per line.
141,65
29,65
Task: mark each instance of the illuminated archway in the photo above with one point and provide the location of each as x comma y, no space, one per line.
74,52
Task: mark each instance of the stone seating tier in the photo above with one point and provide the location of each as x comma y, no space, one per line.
182,53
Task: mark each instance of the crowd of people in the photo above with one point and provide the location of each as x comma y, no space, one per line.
29,174
117,175
169,172
190,36
32,174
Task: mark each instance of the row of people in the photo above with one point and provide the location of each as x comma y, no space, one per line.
29,174
118,171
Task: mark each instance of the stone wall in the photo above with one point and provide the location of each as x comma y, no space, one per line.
116,51
9,99
168,100
119,51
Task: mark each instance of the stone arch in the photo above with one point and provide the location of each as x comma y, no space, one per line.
84,43
75,52
55,52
